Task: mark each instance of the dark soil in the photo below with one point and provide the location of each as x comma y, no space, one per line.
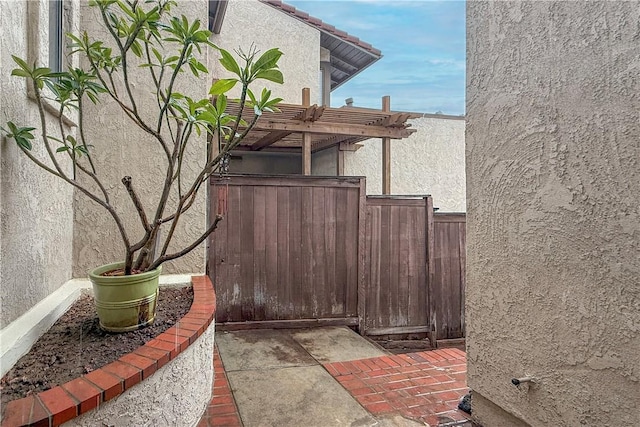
75,345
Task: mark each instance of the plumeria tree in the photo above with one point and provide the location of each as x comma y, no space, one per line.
145,40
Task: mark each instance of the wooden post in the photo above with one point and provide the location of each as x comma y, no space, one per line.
431,270
340,160
362,258
386,152
306,137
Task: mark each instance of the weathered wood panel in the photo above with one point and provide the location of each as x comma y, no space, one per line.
447,290
396,264
287,248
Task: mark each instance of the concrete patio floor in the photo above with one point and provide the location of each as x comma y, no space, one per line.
330,377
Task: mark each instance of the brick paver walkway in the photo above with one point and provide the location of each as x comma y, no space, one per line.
424,386
222,411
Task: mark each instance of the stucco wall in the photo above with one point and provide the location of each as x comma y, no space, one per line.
553,212
175,395
249,21
122,149
430,161
35,208
367,162
324,163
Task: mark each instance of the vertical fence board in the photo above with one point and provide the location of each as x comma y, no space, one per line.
233,291
329,231
293,296
320,296
351,251
281,293
272,277
362,257
341,247
259,253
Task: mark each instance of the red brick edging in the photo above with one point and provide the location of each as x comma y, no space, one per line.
222,411
63,403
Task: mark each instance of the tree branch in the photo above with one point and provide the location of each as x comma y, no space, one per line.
136,202
188,249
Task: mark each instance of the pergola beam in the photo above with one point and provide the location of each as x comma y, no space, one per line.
346,129
268,139
333,141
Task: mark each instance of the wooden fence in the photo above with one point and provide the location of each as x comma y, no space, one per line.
287,248
302,251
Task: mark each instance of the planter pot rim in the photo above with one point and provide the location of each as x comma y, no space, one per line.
96,274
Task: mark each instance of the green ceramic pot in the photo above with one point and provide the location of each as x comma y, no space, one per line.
125,303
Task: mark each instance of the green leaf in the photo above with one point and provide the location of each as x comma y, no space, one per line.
21,63
22,135
267,61
200,66
252,97
157,54
72,140
222,86
229,63
20,73
23,142
221,104
62,149
136,48
271,75
81,150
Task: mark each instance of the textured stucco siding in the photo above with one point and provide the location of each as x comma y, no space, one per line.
175,395
249,21
324,163
553,212
367,162
121,149
430,161
36,210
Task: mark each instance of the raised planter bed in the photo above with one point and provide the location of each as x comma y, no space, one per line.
167,381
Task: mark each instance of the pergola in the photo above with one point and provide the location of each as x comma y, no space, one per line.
310,128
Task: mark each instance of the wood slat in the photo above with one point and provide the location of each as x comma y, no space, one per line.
272,276
259,253
282,292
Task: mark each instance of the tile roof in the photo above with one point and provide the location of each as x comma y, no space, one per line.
322,26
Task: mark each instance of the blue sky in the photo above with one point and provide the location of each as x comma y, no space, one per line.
423,48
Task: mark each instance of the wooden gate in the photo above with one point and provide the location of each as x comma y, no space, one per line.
287,249
447,288
398,244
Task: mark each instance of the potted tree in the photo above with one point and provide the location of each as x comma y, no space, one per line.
145,40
